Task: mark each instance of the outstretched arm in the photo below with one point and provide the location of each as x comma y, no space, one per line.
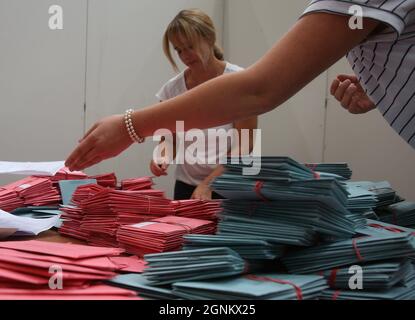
314,43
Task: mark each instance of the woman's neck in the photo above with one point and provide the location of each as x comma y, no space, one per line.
200,74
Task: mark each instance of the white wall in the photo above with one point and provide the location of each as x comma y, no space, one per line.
42,80
251,28
126,67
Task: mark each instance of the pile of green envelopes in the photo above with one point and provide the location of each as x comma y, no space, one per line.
247,248
377,247
253,287
340,169
401,213
212,263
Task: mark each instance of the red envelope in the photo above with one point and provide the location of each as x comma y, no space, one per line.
66,250
95,290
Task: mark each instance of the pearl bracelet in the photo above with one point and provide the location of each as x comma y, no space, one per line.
130,128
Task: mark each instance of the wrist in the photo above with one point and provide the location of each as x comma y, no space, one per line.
129,126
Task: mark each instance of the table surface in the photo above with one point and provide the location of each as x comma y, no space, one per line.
49,236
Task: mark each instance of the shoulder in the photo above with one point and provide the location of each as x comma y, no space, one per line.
172,88
232,68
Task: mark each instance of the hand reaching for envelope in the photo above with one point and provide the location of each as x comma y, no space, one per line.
106,139
348,91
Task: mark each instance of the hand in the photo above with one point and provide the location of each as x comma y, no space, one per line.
348,91
106,139
202,192
158,169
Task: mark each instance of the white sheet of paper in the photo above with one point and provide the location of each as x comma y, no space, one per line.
31,168
26,226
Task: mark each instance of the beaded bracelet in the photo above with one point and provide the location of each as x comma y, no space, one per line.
130,128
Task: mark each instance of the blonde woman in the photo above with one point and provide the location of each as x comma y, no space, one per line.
192,35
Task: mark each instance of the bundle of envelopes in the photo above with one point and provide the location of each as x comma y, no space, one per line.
137,184
99,212
253,287
25,269
65,174
401,213
383,191
189,265
400,292
161,235
339,169
143,287
375,246
108,180
30,191
249,249
360,200
375,276
198,209
9,199
308,214
273,232
280,179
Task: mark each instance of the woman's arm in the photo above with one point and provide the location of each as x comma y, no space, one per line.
314,43
203,190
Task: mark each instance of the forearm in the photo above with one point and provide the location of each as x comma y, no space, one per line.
313,45
219,170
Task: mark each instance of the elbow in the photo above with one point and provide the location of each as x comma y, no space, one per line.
264,96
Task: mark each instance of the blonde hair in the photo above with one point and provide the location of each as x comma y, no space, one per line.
194,25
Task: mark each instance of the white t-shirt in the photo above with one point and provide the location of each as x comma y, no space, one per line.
194,174
385,62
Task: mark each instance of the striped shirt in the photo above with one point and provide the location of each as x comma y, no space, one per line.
385,61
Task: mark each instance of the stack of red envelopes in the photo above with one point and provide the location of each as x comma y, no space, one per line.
106,211
99,212
73,215
137,184
29,268
161,235
65,174
108,180
32,191
10,200
198,209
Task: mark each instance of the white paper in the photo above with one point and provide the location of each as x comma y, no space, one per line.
26,226
31,168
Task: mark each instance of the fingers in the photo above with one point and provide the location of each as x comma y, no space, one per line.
89,132
348,96
341,90
89,157
157,170
79,155
90,163
344,77
334,86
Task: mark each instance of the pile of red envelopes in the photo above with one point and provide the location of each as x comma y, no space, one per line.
137,184
100,211
45,270
65,174
31,191
161,235
108,180
198,209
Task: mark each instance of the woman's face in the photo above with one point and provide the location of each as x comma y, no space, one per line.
189,55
